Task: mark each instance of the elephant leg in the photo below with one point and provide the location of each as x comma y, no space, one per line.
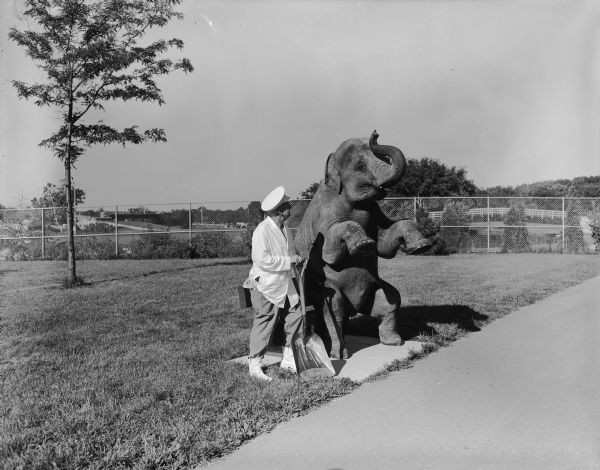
388,306
402,234
346,238
336,319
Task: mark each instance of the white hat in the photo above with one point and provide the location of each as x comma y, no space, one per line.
274,199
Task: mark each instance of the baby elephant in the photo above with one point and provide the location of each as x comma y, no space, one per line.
344,231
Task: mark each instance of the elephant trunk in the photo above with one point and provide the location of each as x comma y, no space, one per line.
389,172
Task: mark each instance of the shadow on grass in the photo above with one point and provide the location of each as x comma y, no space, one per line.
415,320
173,270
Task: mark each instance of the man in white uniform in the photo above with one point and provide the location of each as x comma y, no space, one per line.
274,293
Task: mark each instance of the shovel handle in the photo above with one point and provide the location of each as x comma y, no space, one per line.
300,280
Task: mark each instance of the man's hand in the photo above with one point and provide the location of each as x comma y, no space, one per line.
296,259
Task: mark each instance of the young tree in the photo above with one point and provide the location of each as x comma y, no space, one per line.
430,229
427,226
455,227
91,54
515,237
54,196
255,213
574,241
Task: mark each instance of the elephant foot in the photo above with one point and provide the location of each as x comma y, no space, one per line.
338,352
343,354
390,338
414,239
418,246
346,238
362,247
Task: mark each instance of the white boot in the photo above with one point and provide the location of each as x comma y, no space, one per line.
288,360
256,369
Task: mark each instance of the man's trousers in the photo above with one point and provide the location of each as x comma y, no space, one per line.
266,316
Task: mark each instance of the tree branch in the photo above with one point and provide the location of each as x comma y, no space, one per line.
103,85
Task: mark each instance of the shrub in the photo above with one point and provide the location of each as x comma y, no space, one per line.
426,225
20,249
430,229
595,226
574,242
147,246
94,248
221,244
515,237
56,249
247,238
203,245
455,227
208,245
159,246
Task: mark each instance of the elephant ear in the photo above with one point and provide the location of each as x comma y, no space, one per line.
332,175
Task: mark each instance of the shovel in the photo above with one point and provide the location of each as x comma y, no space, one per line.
310,355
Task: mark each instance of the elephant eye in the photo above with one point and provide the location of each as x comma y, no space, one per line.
360,166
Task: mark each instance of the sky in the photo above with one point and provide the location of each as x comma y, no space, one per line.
509,90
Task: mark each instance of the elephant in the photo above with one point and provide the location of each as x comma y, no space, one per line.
342,234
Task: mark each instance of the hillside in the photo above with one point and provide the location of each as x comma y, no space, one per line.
581,186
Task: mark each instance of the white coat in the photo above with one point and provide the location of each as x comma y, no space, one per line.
271,263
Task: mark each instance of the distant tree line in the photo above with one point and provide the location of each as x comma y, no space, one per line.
581,186
427,177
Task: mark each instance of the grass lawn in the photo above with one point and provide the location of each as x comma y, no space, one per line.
131,371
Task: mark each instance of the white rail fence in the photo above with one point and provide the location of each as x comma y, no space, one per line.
502,211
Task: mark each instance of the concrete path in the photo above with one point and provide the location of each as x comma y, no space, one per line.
522,393
367,357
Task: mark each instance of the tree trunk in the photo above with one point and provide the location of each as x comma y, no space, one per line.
72,282
70,224
70,196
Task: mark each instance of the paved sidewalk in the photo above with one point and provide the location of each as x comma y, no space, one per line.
522,393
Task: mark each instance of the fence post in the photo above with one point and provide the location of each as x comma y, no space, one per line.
415,208
74,216
488,224
563,224
190,222
201,214
116,231
43,237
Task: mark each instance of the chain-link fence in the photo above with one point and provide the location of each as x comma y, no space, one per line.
224,229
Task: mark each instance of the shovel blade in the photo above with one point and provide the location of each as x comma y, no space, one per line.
310,355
